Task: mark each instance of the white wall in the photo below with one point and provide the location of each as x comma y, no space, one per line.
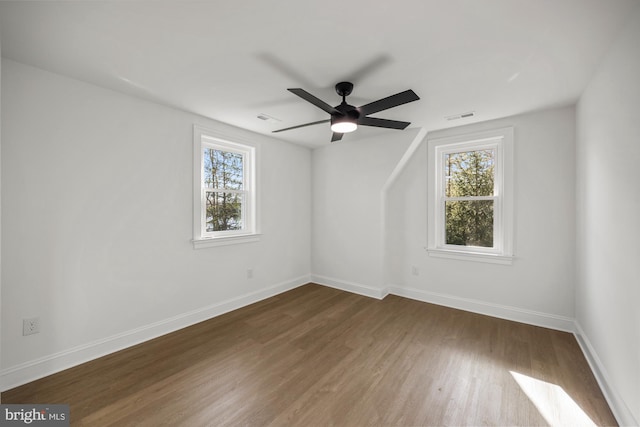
84,169
0,206
97,222
347,237
539,286
608,215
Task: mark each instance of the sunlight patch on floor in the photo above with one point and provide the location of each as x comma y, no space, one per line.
553,403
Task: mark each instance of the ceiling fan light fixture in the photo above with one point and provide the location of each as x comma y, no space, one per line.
346,118
343,124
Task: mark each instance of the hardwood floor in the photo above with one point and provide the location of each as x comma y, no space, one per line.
319,356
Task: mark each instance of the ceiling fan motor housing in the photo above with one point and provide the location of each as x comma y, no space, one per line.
344,88
347,113
346,118
347,110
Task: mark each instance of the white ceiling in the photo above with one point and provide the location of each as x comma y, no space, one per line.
234,60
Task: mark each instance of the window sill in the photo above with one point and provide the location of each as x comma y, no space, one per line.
223,241
471,256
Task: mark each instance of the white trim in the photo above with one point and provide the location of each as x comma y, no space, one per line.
250,209
515,314
500,140
35,369
471,256
620,410
224,241
48,365
355,288
531,317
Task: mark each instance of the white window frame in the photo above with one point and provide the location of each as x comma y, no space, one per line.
501,141
205,138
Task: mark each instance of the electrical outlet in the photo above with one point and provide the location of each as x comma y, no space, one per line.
30,326
414,270
250,273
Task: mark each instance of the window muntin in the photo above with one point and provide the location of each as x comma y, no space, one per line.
223,186
470,195
224,189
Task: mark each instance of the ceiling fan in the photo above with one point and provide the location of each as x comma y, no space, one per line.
346,118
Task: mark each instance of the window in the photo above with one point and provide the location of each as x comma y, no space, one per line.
471,196
224,191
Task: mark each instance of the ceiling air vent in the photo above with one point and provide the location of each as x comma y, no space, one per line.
461,116
267,118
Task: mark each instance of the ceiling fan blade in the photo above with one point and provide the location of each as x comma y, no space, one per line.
389,102
315,101
301,126
336,136
383,123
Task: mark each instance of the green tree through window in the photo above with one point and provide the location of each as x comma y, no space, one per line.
469,198
223,182
224,190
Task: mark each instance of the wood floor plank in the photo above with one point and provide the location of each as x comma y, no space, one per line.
320,356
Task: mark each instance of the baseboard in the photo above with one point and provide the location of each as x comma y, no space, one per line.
530,317
44,366
619,408
39,368
355,288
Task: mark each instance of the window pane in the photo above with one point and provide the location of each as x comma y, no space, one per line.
223,169
224,211
469,223
469,174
